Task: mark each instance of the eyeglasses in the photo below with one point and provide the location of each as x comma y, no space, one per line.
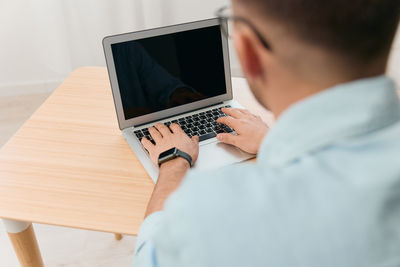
224,14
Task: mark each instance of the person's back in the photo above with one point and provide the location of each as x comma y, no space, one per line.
325,190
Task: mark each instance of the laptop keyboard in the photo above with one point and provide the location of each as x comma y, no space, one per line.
202,124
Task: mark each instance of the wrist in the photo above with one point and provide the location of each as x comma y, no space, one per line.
171,175
176,163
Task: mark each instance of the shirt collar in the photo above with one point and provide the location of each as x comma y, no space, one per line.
342,111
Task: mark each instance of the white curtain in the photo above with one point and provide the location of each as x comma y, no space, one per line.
42,41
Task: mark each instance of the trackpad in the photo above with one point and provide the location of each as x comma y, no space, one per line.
218,154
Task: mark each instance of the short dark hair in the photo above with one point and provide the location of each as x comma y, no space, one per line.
363,29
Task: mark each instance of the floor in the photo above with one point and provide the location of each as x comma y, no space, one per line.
70,247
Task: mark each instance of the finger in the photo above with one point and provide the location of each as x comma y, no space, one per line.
233,112
228,138
162,129
195,138
147,144
176,128
155,134
245,111
231,122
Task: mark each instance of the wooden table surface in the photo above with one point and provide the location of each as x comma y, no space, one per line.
69,164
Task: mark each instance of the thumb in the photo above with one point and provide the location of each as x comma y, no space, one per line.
227,138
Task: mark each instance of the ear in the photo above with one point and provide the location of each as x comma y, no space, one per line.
249,50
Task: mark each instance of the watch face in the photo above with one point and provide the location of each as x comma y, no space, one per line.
167,153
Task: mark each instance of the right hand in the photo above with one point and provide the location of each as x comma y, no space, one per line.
250,129
167,138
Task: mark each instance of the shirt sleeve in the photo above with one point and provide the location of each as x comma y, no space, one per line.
173,238
162,234
145,252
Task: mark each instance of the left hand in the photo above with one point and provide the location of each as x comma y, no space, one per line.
165,139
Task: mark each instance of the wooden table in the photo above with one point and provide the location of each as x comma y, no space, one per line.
70,166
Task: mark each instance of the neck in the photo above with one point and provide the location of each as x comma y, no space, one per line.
297,89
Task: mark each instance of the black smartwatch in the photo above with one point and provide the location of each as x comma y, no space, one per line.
172,154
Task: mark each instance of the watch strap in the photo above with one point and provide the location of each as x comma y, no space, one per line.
186,156
173,153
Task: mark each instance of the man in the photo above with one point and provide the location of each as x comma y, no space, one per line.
325,190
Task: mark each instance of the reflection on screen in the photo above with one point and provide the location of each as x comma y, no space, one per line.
170,70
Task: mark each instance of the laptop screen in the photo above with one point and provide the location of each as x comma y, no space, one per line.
170,70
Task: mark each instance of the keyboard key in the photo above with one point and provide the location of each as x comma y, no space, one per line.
227,129
206,136
218,127
202,124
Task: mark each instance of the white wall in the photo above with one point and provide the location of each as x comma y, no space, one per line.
42,41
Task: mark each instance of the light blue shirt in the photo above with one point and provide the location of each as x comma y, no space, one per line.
324,192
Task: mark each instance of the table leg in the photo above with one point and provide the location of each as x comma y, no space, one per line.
118,236
24,242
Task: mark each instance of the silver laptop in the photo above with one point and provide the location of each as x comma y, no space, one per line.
176,74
